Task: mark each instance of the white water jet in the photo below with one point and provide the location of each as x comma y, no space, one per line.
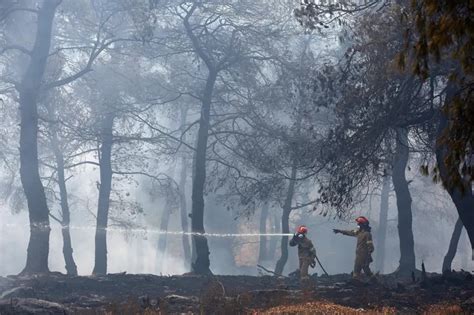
155,231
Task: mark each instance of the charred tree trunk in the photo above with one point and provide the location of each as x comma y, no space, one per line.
201,262
29,89
461,194
182,197
464,202
140,255
453,246
272,244
105,161
164,222
285,222
466,251
462,199
382,228
263,251
285,218
405,229
184,212
71,268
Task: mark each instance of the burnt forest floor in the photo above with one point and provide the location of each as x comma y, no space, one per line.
150,294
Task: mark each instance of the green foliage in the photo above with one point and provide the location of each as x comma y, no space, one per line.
441,41
375,99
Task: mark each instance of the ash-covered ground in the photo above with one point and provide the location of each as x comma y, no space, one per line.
150,294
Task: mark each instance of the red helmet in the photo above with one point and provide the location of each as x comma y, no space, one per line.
302,229
362,220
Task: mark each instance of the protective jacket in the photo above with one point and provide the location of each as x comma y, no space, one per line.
306,253
364,249
306,249
365,245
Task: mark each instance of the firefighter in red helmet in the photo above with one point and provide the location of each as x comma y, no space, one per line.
306,251
365,246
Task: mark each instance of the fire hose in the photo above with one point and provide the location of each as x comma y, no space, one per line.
321,265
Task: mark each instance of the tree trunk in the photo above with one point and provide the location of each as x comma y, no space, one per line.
382,228
29,89
184,212
105,161
140,251
466,251
164,222
453,246
71,268
201,261
462,197
405,229
182,197
272,244
263,251
464,202
285,222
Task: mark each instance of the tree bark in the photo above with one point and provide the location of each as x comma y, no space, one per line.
140,255
405,229
272,244
105,161
382,228
453,246
29,89
201,263
285,222
164,222
463,200
466,251
462,197
182,197
263,250
71,268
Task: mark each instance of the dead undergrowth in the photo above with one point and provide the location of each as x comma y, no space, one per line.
150,294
